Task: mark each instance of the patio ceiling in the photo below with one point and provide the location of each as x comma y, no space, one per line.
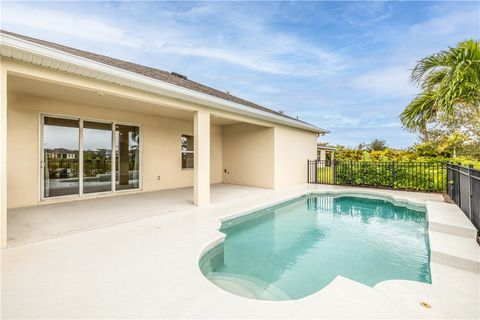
23,85
45,89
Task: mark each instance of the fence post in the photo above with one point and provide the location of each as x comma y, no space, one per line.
470,191
351,172
446,177
308,171
334,170
451,172
459,186
316,171
393,174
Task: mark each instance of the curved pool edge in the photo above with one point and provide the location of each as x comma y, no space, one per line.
338,280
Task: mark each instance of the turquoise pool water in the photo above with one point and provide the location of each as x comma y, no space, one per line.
296,248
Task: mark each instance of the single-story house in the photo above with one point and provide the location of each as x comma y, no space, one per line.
77,125
325,153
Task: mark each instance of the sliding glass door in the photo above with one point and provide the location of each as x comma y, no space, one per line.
127,154
60,157
97,157
79,158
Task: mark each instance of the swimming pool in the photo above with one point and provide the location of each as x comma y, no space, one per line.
294,249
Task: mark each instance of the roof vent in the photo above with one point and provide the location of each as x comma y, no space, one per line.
227,92
280,111
178,75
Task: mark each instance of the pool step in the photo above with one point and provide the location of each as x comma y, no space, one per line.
247,287
448,218
455,251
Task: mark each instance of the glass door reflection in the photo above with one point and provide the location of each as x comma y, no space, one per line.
127,153
97,157
60,157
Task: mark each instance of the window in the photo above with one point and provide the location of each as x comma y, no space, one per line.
187,152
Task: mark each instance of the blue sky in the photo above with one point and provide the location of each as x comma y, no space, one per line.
343,66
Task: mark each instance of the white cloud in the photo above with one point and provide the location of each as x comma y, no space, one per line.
447,24
272,58
360,14
392,81
17,15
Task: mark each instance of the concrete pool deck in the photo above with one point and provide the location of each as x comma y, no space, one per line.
148,268
53,219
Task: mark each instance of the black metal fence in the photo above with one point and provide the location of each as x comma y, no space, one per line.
62,168
417,176
464,189
92,166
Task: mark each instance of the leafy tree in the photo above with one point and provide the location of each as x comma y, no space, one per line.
465,121
459,136
442,144
450,82
377,145
453,142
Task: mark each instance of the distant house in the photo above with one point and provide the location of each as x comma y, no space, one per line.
325,153
60,154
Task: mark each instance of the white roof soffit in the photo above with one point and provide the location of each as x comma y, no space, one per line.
30,52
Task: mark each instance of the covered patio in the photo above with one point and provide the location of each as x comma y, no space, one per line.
37,223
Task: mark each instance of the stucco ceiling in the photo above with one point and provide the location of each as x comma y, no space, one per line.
34,87
17,84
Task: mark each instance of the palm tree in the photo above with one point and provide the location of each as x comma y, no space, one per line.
449,80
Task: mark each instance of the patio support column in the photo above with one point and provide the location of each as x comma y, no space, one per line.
3,157
201,184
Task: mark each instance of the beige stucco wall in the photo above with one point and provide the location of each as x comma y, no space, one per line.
248,155
293,147
160,152
3,155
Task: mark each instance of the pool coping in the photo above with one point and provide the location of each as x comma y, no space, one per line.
442,250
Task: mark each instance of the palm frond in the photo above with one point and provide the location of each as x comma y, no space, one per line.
428,64
419,112
449,80
433,79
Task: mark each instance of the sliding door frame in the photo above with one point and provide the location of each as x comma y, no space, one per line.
81,194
